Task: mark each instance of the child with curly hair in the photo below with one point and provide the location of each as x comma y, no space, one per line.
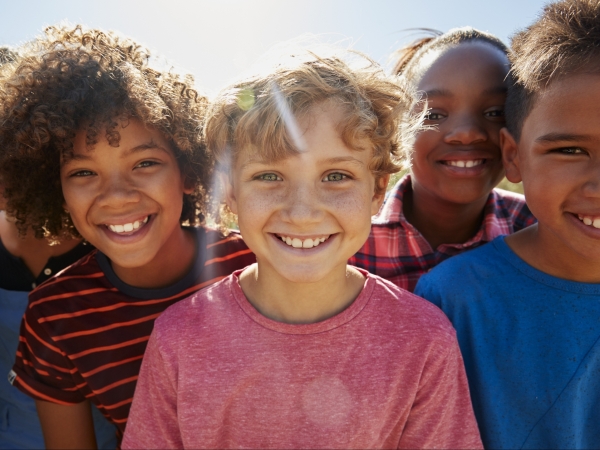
301,350
96,143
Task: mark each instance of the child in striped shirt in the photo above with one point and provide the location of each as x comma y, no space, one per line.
96,143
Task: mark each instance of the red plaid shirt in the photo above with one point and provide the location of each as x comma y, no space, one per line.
396,251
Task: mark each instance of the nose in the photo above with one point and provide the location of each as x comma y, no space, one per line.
117,191
465,131
591,188
302,206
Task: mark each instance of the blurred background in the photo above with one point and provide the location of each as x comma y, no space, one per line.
217,40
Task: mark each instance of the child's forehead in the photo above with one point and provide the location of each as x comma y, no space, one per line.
568,106
463,55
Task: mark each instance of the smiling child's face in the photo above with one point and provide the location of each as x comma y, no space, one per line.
126,200
558,160
305,215
458,159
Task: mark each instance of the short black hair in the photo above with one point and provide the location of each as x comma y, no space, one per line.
564,40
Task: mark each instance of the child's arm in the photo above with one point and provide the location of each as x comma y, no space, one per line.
67,426
442,414
152,421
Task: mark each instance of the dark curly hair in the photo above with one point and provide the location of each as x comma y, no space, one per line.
564,40
70,79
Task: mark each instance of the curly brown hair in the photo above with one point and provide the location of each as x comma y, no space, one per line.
564,40
250,113
72,78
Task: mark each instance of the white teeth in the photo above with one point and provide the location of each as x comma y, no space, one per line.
127,227
590,221
469,163
306,243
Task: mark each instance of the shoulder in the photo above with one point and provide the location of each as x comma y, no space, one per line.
81,276
217,245
512,206
202,307
409,312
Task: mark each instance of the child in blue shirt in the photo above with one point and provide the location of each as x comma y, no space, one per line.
526,307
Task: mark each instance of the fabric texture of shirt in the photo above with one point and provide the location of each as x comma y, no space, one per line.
19,423
16,276
85,331
398,252
531,345
384,373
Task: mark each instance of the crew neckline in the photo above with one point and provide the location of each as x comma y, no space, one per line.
184,283
331,323
542,277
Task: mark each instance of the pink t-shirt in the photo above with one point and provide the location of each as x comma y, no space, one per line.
384,373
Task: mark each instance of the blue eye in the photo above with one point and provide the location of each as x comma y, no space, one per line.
269,177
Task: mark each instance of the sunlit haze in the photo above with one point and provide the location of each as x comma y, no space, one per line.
216,40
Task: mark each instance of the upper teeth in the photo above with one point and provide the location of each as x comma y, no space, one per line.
470,163
590,221
306,243
127,227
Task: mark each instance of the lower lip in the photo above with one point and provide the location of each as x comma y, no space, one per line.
465,171
129,238
588,230
304,251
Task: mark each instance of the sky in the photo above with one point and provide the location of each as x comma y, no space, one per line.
217,40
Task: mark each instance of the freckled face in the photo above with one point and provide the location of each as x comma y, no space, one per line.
305,215
126,200
458,160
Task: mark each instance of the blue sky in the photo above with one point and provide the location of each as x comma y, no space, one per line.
216,40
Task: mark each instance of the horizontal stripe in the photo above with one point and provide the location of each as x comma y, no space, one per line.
110,347
228,257
109,365
107,327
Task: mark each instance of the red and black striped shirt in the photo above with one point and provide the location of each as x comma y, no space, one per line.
85,331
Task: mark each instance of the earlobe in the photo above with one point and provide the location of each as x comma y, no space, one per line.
379,194
510,156
228,191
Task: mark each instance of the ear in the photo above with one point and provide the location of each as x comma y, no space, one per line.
228,191
379,195
510,156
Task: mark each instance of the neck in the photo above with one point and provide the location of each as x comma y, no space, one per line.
296,302
170,265
442,222
32,251
541,249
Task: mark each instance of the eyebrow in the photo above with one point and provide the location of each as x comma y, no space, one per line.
138,148
563,137
335,160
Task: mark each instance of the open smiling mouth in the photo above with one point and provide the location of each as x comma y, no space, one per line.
467,163
126,229
590,221
303,243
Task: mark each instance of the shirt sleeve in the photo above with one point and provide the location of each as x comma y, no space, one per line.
152,420
442,415
42,370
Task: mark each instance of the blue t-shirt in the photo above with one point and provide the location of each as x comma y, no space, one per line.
531,346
